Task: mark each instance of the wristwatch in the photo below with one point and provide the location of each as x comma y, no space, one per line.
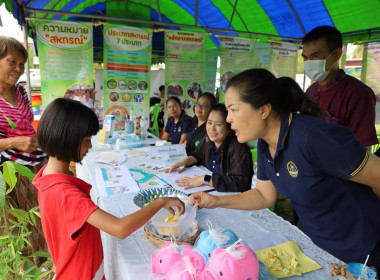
207,179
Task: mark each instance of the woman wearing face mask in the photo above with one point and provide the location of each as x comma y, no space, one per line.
197,130
334,192
221,153
178,123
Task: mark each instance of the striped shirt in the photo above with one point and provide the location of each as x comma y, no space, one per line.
23,118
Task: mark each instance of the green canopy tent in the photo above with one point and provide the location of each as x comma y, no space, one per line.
286,20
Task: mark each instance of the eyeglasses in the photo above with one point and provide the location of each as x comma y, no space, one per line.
203,107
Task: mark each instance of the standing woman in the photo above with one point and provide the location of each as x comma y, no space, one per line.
220,152
17,144
178,123
197,130
332,180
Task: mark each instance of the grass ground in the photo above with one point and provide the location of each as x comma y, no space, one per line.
284,209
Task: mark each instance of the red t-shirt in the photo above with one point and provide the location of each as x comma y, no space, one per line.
350,102
75,245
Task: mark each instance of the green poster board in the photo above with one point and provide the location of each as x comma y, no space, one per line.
371,71
66,59
211,67
185,66
236,55
283,59
127,59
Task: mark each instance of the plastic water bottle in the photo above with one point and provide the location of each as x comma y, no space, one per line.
144,127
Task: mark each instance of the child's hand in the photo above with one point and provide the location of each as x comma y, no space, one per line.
170,202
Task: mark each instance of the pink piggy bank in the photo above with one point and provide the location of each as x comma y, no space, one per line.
167,255
236,262
182,270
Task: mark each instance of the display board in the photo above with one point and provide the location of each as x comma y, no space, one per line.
185,58
236,55
66,60
127,59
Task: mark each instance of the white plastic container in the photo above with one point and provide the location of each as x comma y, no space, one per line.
109,123
174,229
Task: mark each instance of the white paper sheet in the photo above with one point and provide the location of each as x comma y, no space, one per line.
115,180
111,158
190,172
138,152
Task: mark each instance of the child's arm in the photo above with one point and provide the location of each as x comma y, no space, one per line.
123,227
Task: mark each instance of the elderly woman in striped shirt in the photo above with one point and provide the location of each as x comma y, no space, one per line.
18,140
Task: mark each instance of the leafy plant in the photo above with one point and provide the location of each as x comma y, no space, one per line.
15,262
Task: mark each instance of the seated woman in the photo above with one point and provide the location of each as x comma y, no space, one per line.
220,152
178,123
18,140
197,130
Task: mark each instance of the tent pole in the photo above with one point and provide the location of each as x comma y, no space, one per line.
99,17
28,87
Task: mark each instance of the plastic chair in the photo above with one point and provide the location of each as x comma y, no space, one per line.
254,154
154,112
374,148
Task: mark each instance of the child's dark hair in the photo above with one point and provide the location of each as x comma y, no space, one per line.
63,126
332,36
259,87
211,99
221,108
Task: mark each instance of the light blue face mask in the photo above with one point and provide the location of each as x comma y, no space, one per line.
316,69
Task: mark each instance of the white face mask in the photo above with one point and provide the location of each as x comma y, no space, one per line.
316,69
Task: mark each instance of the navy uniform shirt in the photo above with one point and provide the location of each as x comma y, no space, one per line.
176,129
214,162
312,164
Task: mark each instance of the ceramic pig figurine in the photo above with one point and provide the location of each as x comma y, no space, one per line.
182,270
237,262
209,240
167,255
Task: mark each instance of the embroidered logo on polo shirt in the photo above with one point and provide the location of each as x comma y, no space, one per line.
292,169
196,143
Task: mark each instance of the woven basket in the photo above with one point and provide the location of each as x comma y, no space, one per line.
156,240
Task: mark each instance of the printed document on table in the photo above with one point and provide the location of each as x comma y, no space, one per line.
115,180
190,172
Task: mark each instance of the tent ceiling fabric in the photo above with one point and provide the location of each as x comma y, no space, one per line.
358,20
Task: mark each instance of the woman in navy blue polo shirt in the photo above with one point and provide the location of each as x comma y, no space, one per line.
197,129
178,123
220,152
334,192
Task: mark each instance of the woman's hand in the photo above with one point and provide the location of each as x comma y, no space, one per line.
170,202
176,167
189,183
204,200
24,143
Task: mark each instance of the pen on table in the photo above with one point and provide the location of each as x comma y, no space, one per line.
179,169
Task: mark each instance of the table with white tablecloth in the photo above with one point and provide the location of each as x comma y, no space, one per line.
130,258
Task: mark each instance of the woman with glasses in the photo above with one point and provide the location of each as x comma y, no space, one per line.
197,129
178,123
229,161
